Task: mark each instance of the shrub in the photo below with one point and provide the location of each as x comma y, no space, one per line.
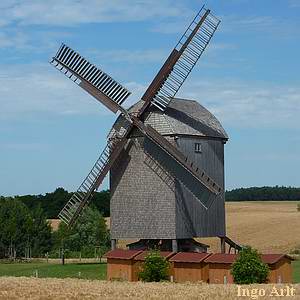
249,268
155,267
298,207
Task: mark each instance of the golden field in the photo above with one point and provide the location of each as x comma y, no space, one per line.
71,289
268,226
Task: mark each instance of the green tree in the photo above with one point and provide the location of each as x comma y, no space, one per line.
155,268
89,232
101,200
249,268
41,238
15,226
52,202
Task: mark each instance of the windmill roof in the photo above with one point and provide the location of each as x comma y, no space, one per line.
182,117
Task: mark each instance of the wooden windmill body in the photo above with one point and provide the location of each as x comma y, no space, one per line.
147,201
165,155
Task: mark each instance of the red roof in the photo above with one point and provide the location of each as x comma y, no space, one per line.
122,254
273,258
142,256
222,258
190,257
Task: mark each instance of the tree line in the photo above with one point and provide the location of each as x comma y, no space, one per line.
25,229
26,232
266,193
52,203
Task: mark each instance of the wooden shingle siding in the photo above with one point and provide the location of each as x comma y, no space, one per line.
143,205
191,216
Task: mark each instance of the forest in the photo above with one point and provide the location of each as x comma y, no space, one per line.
25,231
52,203
265,193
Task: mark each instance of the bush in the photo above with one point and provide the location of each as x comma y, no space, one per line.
155,268
298,207
249,268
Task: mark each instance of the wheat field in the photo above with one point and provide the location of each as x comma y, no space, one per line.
71,289
270,227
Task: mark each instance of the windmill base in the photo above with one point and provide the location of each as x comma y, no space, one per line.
180,245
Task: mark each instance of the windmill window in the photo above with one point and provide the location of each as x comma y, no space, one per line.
198,148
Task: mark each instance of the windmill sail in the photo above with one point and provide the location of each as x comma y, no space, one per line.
82,196
89,77
181,159
174,172
181,60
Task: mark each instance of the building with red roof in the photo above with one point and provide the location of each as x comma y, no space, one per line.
190,266
220,267
120,264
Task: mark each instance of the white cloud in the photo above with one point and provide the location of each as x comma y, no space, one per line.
130,56
294,3
171,27
27,90
69,13
35,89
38,89
273,26
37,41
242,104
13,39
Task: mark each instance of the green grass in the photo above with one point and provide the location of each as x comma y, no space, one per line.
296,271
87,271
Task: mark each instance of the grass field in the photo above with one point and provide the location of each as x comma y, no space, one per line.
296,271
270,227
36,288
85,271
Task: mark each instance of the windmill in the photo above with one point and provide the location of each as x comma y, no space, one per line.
143,161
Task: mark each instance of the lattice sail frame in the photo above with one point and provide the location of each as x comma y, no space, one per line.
181,61
92,79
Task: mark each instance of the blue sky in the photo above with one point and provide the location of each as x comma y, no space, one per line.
51,131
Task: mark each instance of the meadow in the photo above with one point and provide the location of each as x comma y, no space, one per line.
54,270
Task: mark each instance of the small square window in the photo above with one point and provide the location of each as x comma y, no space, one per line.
198,148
